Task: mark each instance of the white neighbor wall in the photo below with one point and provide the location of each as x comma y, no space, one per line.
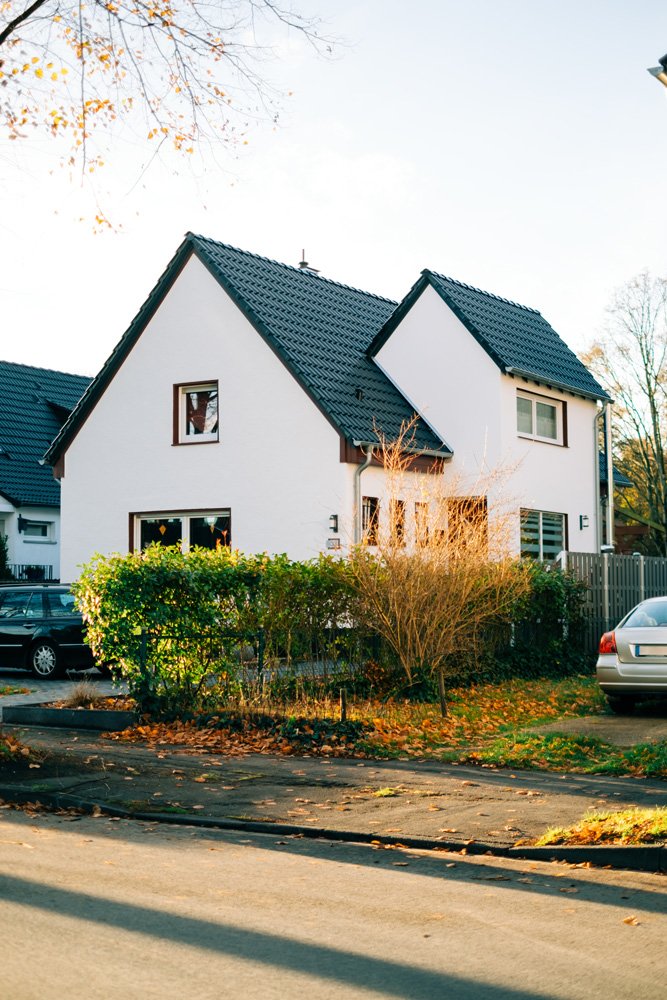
31,551
276,465
451,380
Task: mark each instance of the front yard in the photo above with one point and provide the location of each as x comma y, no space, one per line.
491,725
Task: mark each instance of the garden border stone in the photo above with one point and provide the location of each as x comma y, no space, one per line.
100,719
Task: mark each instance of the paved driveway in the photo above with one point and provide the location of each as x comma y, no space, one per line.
647,725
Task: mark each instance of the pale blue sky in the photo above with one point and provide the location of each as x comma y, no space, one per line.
518,145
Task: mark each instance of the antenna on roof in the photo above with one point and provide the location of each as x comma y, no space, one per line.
305,266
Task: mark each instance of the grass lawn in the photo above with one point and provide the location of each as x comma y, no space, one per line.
6,689
628,826
486,725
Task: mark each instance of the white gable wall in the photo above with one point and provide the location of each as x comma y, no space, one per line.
471,404
276,465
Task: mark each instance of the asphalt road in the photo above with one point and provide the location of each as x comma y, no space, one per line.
98,908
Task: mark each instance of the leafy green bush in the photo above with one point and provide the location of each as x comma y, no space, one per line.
184,628
5,572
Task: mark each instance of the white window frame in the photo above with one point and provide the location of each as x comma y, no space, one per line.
535,399
183,516
183,392
46,539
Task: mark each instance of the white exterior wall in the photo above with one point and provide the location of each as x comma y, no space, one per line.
27,551
276,465
471,404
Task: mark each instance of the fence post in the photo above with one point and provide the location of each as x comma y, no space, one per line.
143,651
605,590
260,654
642,578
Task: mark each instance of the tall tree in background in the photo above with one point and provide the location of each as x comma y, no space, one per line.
179,71
631,362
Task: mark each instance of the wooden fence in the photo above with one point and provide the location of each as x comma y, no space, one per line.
615,584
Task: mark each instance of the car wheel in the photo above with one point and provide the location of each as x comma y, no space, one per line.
44,661
621,704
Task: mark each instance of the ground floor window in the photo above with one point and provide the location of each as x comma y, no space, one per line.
205,529
543,534
370,519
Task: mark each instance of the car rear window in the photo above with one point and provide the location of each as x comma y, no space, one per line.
649,615
60,603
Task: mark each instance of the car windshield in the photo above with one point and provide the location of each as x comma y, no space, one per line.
651,614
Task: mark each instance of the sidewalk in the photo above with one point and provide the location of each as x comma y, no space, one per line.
396,800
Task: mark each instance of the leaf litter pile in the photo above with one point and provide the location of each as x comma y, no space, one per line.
477,716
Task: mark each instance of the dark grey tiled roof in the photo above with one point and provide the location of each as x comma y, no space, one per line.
516,336
321,330
620,479
34,403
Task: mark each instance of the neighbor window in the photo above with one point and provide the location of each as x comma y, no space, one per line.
467,521
203,529
370,513
36,531
540,417
542,534
196,413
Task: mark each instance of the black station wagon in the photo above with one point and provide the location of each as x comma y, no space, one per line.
41,630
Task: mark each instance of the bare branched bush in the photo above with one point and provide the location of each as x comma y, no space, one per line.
440,568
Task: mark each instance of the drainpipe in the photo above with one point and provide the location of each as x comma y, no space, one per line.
610,476
368,452
596,467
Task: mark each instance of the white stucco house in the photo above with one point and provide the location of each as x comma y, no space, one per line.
34,404
243,407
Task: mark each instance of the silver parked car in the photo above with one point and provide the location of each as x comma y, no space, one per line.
632,661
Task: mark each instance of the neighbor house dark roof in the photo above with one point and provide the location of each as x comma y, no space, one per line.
620,479
518,339
35,402
319,328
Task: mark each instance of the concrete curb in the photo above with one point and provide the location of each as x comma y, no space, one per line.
647,859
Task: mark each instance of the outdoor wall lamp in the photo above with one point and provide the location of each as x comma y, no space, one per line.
583,521
333,523
660,72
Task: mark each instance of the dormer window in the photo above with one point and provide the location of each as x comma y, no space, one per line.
539,417
196,413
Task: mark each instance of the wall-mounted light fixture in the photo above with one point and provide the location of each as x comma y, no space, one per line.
333,522
583,521
660,72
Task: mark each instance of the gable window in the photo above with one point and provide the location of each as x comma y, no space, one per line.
187,529
370,515
543,534
540,417
196,413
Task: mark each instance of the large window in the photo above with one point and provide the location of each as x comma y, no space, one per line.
543,534
540,418
207,530
196,413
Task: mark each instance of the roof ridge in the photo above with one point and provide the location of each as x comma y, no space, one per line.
481,291
37,368
290,267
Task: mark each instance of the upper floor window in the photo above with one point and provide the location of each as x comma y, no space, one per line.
196,413
540,417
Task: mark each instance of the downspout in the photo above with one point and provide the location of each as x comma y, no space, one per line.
610,476
368,451
596,468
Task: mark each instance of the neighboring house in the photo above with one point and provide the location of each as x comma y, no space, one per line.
243,404
34,404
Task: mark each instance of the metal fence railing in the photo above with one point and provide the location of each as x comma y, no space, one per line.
31,571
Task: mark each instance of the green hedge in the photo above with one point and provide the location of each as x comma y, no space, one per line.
184,629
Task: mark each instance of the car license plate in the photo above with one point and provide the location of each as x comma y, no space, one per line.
654,650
